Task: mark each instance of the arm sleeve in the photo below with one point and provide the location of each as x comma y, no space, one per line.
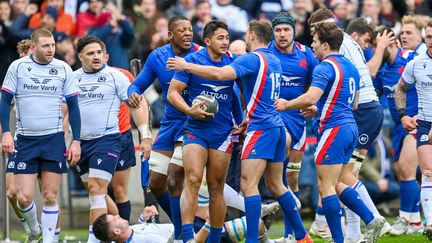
145,78
70,88
74,116
184,76
245,64
10,81
321,75
5,103
408,74
122,84
237,110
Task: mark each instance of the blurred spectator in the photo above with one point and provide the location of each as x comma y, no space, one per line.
388,16
267,9
235,17
200,19
340,11
377,174
65,50
7,44
19,6
19,29
182,8
250,6
317,4
238,47
118,35
301,13
94,16
144,12
370,11
65,22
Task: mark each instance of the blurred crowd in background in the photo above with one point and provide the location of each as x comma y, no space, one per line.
133,28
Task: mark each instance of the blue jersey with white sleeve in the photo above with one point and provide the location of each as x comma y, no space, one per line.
155,67
260,73
387,79
339,79
222,91
297,69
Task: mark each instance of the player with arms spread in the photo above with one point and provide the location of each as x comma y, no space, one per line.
264,147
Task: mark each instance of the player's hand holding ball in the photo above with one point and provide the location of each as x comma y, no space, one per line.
176,63
204,107
281,104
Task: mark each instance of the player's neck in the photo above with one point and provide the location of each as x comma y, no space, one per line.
255,46
214,56
288,50
178,51
35,59
332,52
126,235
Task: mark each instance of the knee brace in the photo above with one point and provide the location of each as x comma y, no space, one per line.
357,159
97,201
293,167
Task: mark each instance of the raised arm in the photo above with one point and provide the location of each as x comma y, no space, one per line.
207,72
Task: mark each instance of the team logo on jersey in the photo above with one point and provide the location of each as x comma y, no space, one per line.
79,80
60,164
53,71
424,65
216,88
91,89
99,161
287,81
363,139
101,79
29,69
424,138
391,88
11,165
21,165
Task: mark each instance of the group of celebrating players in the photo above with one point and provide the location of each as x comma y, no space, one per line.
278,83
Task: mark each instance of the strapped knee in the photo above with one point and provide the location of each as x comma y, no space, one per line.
97,201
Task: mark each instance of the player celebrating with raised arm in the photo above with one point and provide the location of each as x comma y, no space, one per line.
206,143
264,147
298,62
39,82
166,156
334,89
419,72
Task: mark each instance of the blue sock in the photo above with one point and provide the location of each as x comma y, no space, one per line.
124,210
416,203
407,195
215,235
288,227
176,215
332,211
289,208
164,202
320,210
297,194
188,233
352,200
252,206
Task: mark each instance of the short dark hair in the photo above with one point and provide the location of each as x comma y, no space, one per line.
87,40
330,33
360,26
172,21
41,32
320,15
101,228
262,29
212,26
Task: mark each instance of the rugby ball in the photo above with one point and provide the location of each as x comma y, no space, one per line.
209,104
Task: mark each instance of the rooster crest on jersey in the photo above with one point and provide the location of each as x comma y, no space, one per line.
209,103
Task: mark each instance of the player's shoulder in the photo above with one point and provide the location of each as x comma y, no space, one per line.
20,61
300,46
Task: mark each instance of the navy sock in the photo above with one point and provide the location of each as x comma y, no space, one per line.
215,235
176,215
252,206
188,233
124,210
164,202
352,200
333,213
289,208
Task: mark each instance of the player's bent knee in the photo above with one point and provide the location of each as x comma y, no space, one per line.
49,198
23,200
11,193
97,201
427,173
194,182
95,189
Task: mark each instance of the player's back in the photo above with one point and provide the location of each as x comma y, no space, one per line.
387,80
100,96
260,73
352,51
38,90
152,233
339,80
